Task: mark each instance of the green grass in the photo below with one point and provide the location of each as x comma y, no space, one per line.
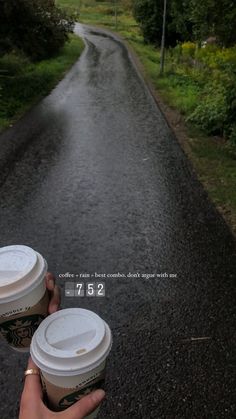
23,83
184,99
216,165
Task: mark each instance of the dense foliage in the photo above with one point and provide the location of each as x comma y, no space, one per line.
36,27
214,18
187,20
148,14
208,69
211,71
26,82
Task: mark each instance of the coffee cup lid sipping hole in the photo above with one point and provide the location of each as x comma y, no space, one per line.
73,332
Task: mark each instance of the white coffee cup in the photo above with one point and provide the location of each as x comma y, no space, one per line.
70,347
23,294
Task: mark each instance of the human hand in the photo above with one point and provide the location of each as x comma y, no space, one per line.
54,293
32,406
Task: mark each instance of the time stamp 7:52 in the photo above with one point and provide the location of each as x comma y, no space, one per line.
85,289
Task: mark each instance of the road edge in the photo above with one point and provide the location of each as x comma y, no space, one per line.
13,144
172,117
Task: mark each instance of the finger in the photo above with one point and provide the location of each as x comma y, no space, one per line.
85,406
54,303
50,281
32,388
54,293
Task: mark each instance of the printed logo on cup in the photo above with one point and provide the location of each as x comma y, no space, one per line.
72,398
19,333
23,295
61,398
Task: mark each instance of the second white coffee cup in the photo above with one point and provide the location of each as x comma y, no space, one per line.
23,295
70,347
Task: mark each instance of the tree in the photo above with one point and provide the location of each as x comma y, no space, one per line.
180,19
214,18
225,25
187,20
37,27
149,13
202,14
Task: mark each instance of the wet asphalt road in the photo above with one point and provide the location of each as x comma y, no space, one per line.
101,185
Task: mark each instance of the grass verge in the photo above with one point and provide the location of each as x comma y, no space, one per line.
24,83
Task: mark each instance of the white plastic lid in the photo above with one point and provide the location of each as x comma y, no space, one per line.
71,342
21,269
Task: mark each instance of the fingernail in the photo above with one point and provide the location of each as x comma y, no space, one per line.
98,396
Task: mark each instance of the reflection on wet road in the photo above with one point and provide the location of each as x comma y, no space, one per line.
102,186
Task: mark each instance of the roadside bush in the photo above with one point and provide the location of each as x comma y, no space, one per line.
216,113
36,27
13,64
211,113
213,70
24,82
223,59
188,49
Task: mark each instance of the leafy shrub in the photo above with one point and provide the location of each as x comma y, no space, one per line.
13,64
211,113
217,58
188,49
213,69
36,27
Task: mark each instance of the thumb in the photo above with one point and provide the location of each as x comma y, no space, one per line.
85,406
